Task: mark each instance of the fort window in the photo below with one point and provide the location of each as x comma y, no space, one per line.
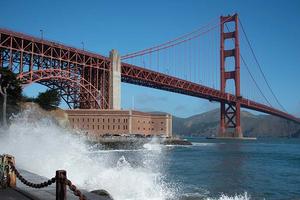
93,127
118,126
77,119
161,129
98,127
108,127
113,127
108,120
114,120
103,127
82,119
103,119
119,120
93,119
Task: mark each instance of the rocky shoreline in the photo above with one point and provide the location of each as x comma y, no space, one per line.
120,142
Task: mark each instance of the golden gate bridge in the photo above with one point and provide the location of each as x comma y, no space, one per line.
205,63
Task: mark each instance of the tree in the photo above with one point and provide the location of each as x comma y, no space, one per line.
49,99
10,90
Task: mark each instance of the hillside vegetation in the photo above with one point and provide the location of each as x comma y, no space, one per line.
207,124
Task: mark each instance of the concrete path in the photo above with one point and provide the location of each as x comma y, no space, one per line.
12,194
23,192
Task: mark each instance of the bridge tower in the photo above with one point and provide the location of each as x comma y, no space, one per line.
230,123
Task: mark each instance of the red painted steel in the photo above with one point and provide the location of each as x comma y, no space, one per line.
81,77
71,85
74,71
230,113
140,76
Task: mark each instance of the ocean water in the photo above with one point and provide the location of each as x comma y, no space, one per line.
209,169
262,169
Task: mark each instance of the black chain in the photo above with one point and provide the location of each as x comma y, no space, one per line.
72,187
75,190
33,185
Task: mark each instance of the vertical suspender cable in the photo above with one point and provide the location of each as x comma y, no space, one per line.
259,66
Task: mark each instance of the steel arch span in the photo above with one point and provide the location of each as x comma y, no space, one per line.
74,89
82,78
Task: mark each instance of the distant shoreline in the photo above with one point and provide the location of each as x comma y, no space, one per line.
120,142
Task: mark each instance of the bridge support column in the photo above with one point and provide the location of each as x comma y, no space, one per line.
230,117
115,81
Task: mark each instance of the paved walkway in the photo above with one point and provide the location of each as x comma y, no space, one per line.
12,194
23,192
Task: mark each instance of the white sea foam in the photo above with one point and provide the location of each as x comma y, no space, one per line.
244,196
40,146
204,194
203,144
154,145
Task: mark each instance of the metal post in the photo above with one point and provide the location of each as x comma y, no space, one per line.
42,34
61,190
82,43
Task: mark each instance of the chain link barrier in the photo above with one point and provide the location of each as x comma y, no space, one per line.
75,191
30,184
47,183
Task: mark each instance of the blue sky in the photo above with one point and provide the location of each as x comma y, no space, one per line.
272,26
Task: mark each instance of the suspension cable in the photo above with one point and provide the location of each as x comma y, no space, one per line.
251,75
169,42
259,66
256,84
187,37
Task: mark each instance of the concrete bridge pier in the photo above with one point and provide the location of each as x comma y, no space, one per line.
115,81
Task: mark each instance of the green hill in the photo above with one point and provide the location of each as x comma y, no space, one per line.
207,124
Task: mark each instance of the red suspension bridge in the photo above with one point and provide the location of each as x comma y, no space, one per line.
193,64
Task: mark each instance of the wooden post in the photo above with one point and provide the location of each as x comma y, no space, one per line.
12,180
3,183
61,190
9,176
